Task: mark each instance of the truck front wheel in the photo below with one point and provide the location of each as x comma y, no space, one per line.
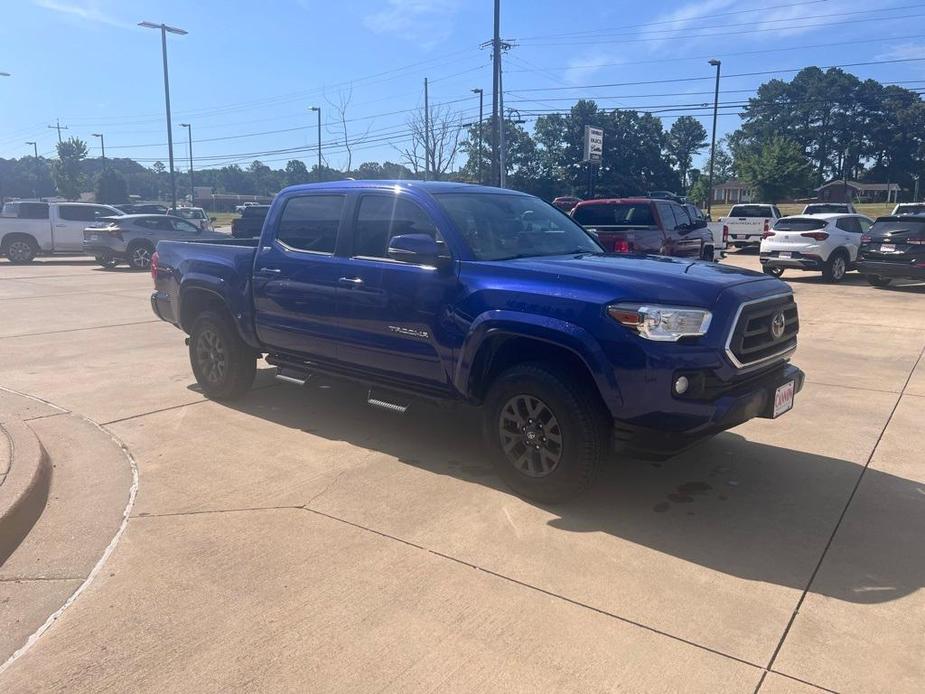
222,362
547,431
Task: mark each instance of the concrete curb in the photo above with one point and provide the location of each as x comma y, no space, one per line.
25,490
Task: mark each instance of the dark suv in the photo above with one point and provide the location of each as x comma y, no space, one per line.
644,225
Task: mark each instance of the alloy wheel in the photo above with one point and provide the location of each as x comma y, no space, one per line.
210,352
531,437
19,251
141,257
838,267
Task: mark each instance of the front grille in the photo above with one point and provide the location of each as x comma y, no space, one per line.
752,340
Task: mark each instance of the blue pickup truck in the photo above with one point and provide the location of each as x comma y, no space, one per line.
487,297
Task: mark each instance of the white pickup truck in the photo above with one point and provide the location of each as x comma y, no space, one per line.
30,228
745,224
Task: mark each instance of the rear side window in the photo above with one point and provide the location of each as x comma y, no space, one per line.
255,211
310,223
799,224
33,210
606,214
381,217
750,211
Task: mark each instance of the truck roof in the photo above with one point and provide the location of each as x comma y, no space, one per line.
426,186
637,200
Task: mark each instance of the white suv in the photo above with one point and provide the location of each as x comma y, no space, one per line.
826,242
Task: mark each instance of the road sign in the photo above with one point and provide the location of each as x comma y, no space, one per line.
594,145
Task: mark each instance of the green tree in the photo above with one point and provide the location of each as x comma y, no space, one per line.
111,187
685,140
67,171
296,172
779,170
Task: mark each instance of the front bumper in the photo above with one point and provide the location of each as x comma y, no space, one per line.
886,269
723,409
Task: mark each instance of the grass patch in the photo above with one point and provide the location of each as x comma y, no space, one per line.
871,209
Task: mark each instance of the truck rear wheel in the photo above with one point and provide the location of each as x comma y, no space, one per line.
547,431
222,362
21,250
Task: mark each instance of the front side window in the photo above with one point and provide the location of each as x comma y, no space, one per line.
501,226
76,213
849,224
184,227
310,223
381,217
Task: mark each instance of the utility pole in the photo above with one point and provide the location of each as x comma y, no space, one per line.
57,126
495,88
35,149
192,188
844,174
481,93
102,146
715,63
426,131
317,109
173,30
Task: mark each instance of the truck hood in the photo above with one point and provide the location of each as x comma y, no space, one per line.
637,278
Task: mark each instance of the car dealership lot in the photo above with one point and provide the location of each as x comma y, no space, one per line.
300,540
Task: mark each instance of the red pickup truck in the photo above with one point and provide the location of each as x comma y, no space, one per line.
645,225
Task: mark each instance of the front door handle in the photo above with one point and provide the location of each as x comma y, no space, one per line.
350,281
268,271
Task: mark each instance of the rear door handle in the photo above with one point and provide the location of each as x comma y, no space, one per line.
350,281
268,271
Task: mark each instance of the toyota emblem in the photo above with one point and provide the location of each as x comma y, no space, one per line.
778,323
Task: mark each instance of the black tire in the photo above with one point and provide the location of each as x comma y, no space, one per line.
139,255
877,281
559,470
222,362
21,250
836,267
773,270
107,262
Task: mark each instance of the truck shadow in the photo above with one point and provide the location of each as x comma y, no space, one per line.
747,509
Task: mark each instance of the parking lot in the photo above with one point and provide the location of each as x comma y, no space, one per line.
299,536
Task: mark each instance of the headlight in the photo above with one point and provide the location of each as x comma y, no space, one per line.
662,323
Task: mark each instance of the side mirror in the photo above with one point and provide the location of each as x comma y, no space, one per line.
699,224
418,249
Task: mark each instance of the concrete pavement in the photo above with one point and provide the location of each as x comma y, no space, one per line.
299,540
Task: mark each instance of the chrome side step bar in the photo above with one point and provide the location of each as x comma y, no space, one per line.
299,378
374,400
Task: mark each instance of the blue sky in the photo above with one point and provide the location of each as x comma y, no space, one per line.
246,73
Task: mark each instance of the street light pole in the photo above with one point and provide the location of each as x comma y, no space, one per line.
173,30
715,63
102,146
192,189
481,93
317,109
35,148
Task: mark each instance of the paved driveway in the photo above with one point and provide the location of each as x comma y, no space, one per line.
300,540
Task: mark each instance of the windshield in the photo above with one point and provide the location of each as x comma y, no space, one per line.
498,227
750,211
190,213
909,209
799,224
610,214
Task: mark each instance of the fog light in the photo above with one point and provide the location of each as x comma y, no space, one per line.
681,385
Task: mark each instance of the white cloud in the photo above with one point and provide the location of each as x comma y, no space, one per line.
86,11
904,51
427,21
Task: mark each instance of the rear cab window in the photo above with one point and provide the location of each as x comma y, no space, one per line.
310,223
614,214
762,211
26,210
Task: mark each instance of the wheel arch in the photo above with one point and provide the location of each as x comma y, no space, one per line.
11,236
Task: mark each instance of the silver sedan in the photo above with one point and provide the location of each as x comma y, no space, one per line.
132,238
